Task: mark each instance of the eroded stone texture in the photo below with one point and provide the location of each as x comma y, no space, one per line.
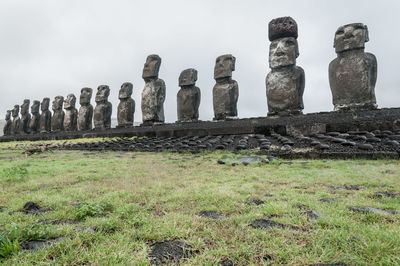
153,94
25,117
126,106
85,115
188,97
285,83
45,116
352,75
103,109
57,120
35,119
226,90
16,122
7,127
71,114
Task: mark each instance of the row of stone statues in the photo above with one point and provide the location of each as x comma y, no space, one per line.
352,78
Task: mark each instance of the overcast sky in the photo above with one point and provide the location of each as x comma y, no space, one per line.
56,47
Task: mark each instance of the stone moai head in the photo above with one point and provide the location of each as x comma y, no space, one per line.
45,104
86,95
284,48
35,107
125,91
103,91
25,107
70,101
151,67
350,37
8,115
188,77
224,65
58,103
15,110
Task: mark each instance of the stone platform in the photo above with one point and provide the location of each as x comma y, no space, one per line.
368,120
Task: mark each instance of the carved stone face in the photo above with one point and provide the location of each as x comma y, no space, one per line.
86,95
45,104
151,67
69,103
351,36
125,91
188,77
224,65
25,107
283,52
103,91
15,110
58,103
35,107
8,115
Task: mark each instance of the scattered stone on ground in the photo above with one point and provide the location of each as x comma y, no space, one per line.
210,214
221,162
301,207
1,208
226,262
37,244
313,215
252,159
169,252
352,187
57,222
329,200
330,264
256,201
371,210
266,223
31,207
381,194
88,229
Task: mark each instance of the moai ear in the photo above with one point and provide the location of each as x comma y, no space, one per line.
366,33
233,63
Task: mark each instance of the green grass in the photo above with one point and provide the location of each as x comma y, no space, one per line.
135,199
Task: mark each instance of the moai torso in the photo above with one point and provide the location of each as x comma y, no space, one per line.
188,97
352,75
103,109
85,115
7,126
285,83
45,116
35,119
153,94
57,120
71,114
16,122
226,90
25,117
126,106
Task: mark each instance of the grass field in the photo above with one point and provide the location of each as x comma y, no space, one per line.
109,208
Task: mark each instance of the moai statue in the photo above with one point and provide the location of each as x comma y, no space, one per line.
25,117
8,125
57,120
16,123
285,83
188,97
226,90
71,114
126,106
103,109
85,115
45,116
153,94
352,75
35,119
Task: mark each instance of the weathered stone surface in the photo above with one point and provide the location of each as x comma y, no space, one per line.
188,97
7,127
71,114
169,252
226,90
35,119
57,120
103,109
353,74
16,122
45,116
285,83
85,114
25,117
126,106
153,94
371,210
